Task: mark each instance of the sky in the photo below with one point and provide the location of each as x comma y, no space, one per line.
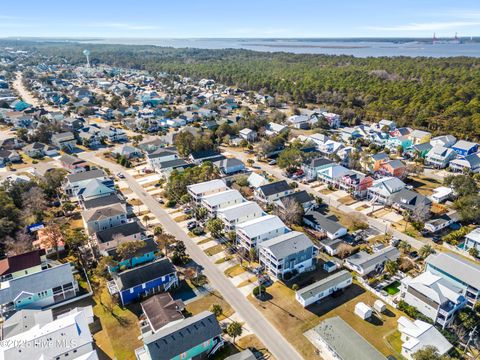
239,19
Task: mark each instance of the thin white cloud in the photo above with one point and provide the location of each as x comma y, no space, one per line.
432,26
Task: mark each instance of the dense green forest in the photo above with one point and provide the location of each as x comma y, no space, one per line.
440,95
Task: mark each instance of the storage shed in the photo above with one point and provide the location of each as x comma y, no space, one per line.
379,306
363,310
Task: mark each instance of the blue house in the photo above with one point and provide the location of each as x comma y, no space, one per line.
464,148
143,255
140,282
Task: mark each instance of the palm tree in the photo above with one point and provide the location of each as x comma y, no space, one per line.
425,250
391,267
216,309
404,246
145,220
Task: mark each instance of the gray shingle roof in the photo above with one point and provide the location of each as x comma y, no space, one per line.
322,221
176,339
123,230
92,174
274,188
324,284
143,274
287,244
37,282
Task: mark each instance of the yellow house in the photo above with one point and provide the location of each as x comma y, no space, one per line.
419,137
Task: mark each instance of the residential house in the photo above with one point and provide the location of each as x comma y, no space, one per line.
383,190
419,150
364,263
330,147
220,200
271,192
440,223
38,289
441,194
196,337
133,284
39,150
444,140
23,264
332,174
251,233
387,124
147,253
472,240
319,290
333,120
287,255
229,166
160,311
105,217
395,168
312,167
469,163
76,183
248,134
96,188
165,168
459,271
256,180
412,202
433,296
417,335
128,151
320,222
273,129
394,143
73,164
158,156
402,131
9,156
67,336
440,156
113,134
335,339
355,183
299,121
464,148
200,190
64,140
303,198
373,162
110,238
103,201
199,157
90,136
419,137
331,246
239,213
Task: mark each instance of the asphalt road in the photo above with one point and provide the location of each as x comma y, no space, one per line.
267,333
382,226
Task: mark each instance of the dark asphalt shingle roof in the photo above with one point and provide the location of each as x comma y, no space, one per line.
176,339
143,274
322,221
302,197
274,188
102,201
124,230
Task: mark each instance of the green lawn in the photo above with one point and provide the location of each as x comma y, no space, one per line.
205,302
393,288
